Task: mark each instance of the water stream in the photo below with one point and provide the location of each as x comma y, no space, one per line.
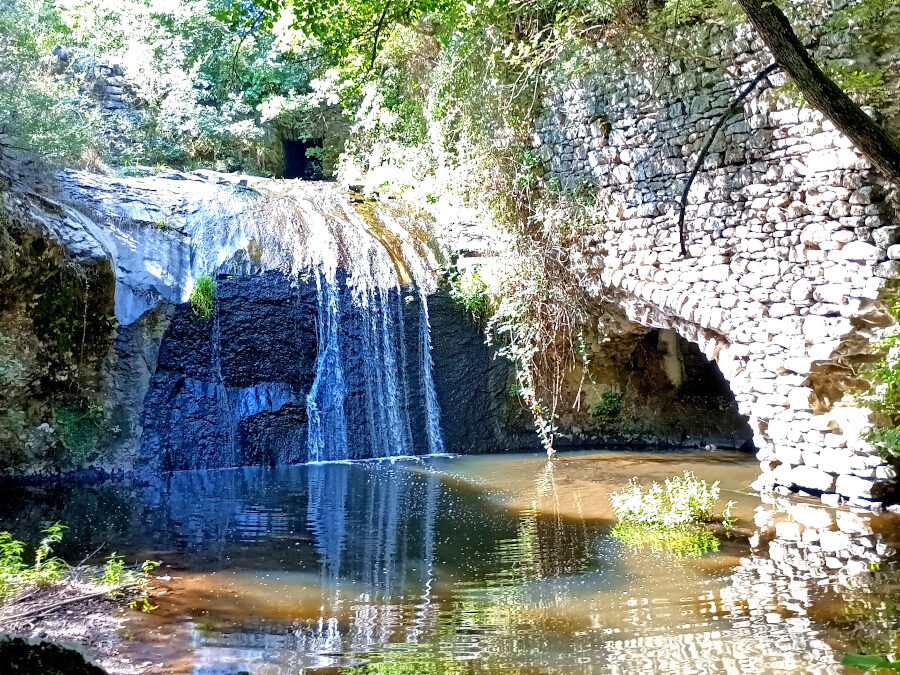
473,565
366,265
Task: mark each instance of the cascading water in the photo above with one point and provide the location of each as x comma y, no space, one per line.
432,410
369,274
327,426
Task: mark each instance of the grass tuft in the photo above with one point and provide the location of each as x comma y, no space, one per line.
202,297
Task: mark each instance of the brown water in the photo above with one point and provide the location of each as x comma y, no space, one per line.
498,564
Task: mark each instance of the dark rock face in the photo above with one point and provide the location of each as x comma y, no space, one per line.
480,411
24,658
231,390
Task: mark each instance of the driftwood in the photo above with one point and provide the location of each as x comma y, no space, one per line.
732,109
39,612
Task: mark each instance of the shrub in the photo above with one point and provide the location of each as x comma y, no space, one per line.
118,575
15,574
202,297
680,500
607,409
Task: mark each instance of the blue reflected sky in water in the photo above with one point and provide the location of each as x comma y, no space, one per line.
390,567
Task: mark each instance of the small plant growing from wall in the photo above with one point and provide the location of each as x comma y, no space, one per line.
672,516
884,398
202,297
81,429
608,408
469,291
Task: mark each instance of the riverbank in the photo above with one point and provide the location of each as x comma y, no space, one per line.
76,613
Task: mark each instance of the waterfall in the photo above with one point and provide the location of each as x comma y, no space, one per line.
373,392
432,410
327,425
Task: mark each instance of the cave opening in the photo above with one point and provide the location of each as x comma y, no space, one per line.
299,162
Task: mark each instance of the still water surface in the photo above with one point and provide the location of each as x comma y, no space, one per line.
475,565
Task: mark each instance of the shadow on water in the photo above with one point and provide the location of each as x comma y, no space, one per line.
398,567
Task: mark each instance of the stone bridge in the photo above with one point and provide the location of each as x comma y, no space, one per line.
792,244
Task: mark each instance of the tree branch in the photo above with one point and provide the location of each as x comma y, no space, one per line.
732,109
873,141
378,27
43,611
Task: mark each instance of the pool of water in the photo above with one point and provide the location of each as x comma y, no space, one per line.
474,565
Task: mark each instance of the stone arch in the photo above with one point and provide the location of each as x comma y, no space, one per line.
784,366
665,373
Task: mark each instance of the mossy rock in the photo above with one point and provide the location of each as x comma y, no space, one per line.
55,336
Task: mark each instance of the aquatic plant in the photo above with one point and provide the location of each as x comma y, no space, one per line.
202,297
669,516
690,541
680,500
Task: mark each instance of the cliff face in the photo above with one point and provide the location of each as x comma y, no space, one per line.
57,323
106,365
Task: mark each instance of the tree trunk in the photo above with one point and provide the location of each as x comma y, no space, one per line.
881,149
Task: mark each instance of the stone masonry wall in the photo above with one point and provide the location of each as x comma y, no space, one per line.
791,244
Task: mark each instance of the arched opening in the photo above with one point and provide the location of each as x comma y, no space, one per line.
653,385
301,160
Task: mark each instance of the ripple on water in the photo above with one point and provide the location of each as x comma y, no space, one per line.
452,565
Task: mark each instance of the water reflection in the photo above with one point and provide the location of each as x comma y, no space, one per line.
395,567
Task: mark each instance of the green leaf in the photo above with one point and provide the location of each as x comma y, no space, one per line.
869,662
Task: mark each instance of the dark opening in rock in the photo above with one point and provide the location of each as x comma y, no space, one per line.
299,162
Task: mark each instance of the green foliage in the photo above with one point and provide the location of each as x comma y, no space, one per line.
38,111
689,541
681,13
868,85
117,575
202,297
868,663
199,83
469,291
113,571
143,604
16,575
871,28
884,398
607,409
81,429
